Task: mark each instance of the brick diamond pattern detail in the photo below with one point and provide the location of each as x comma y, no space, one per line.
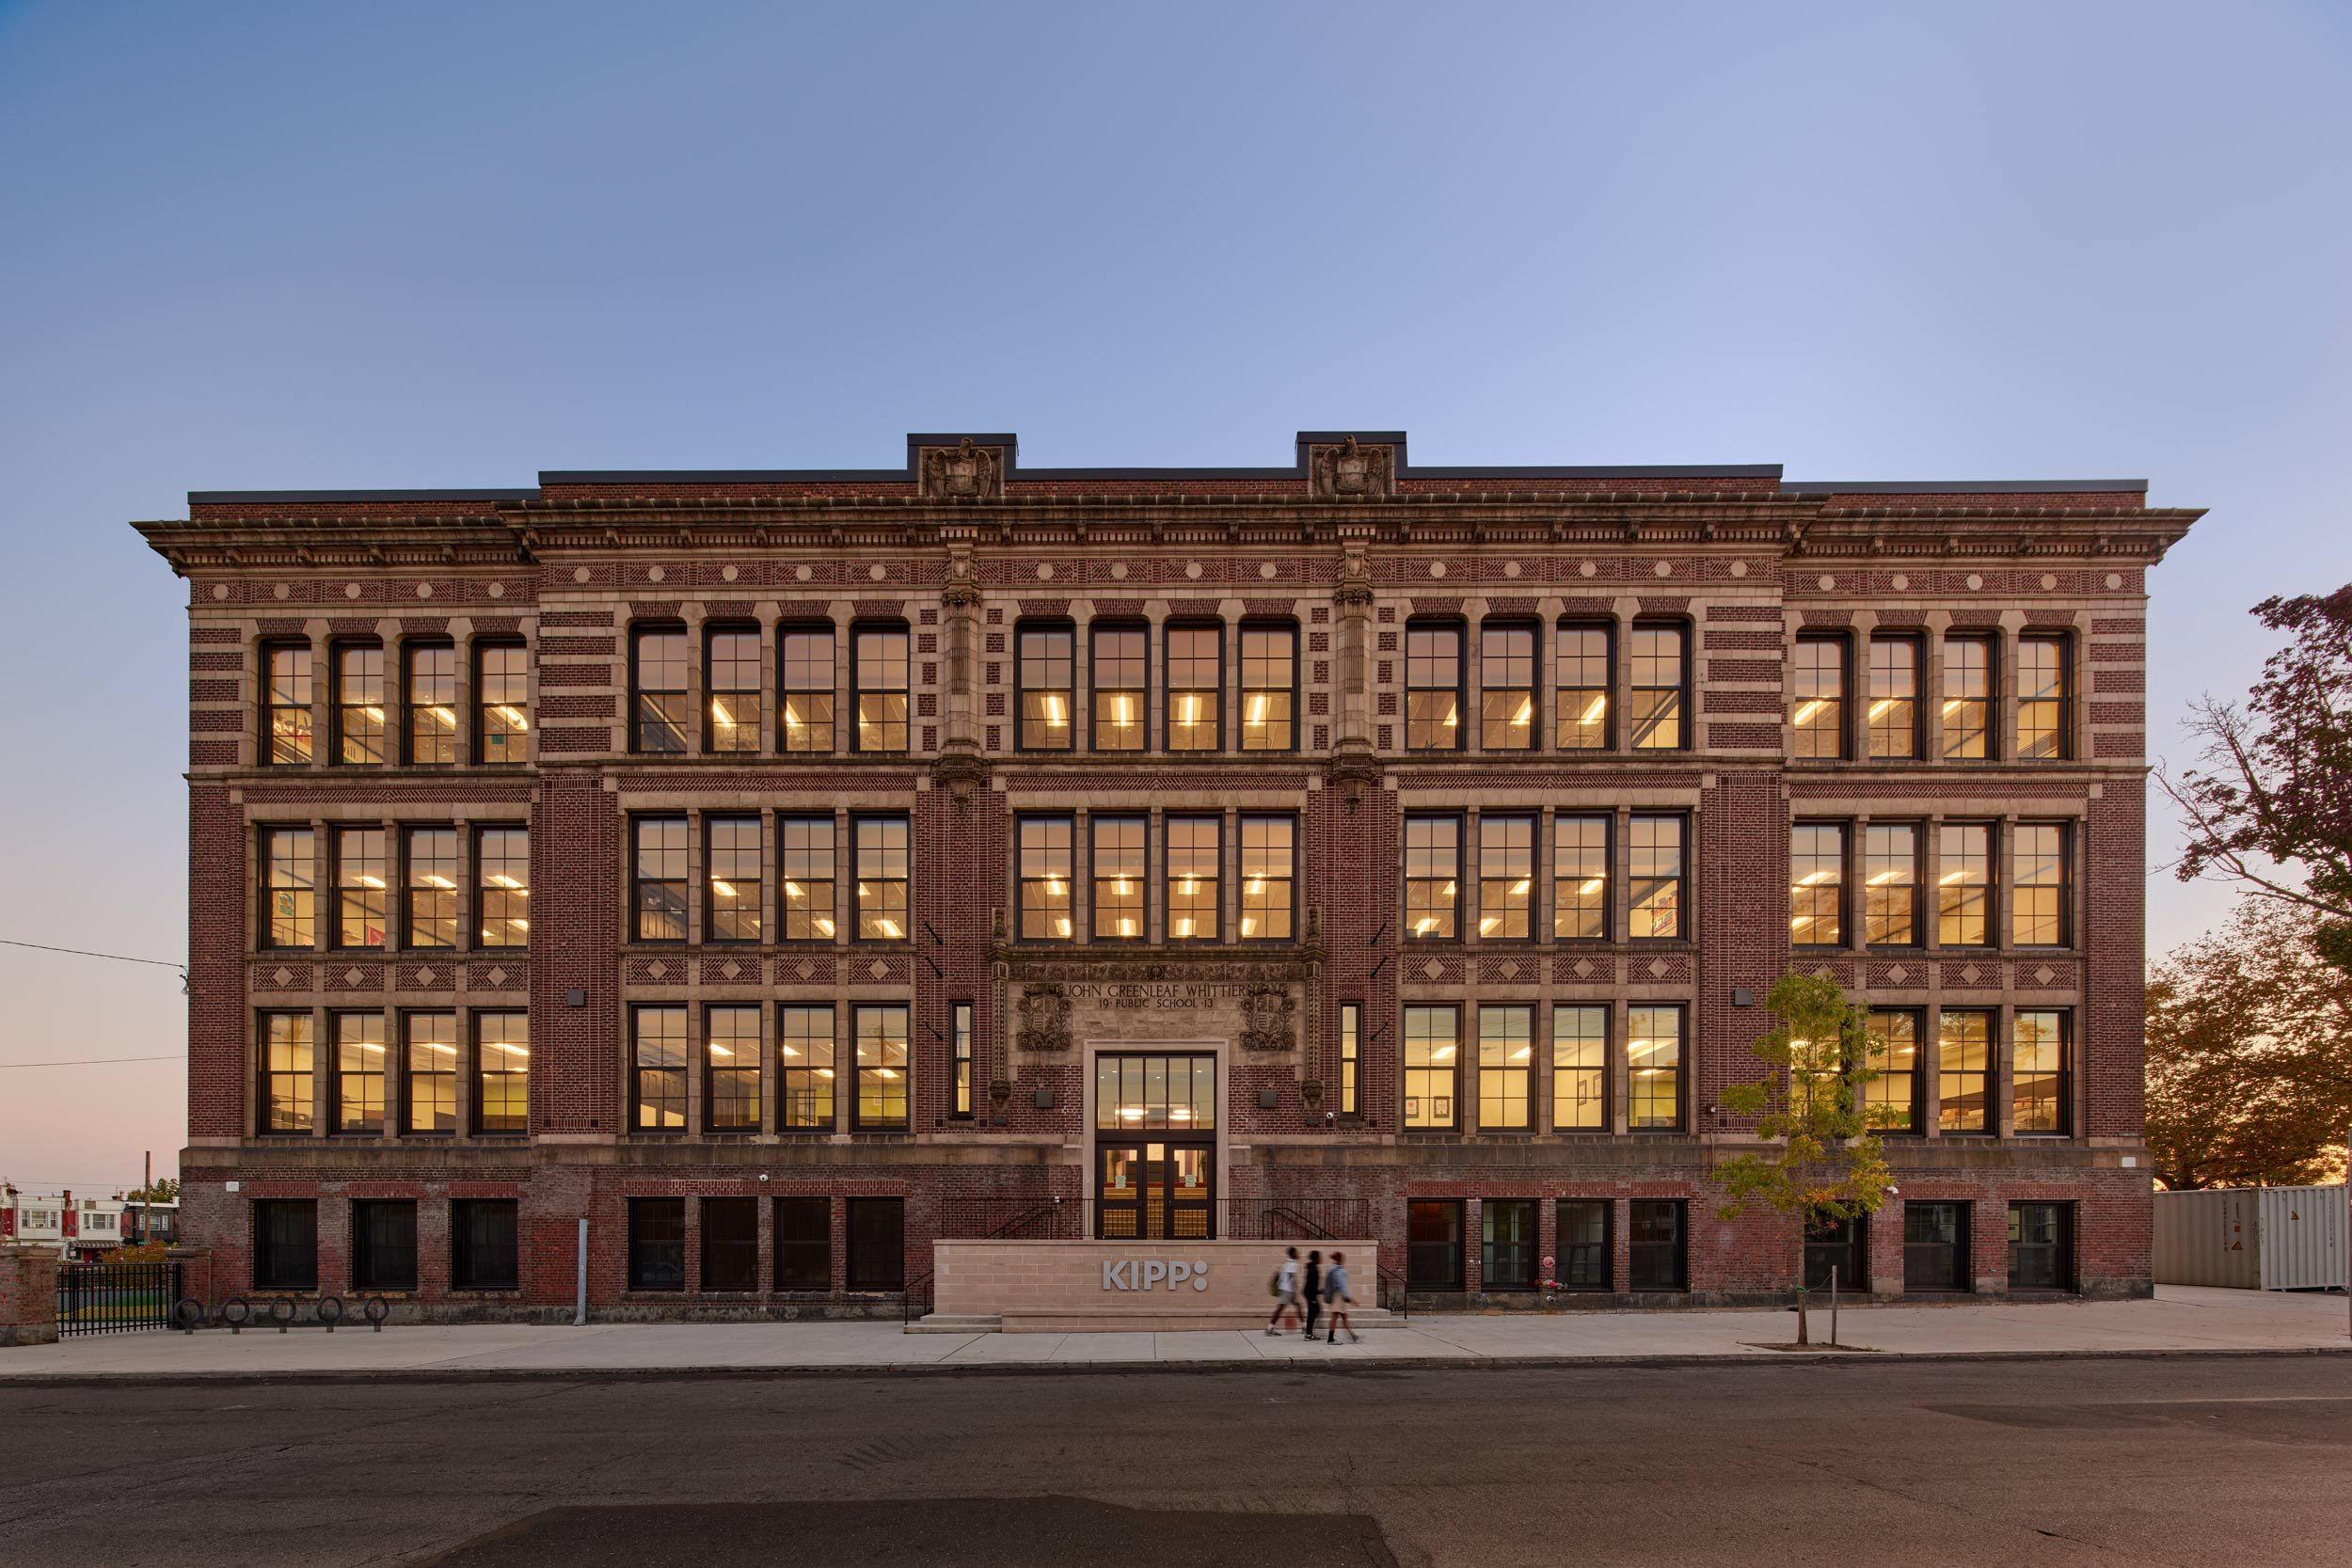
353,975
1433,968
656,970
425,976
284,975
498,976
1897,975
2046,975
1583,969
1971,973
1508,969
732,970
878,970
805,969
1657,968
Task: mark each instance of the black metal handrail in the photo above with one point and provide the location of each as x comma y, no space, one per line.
915,1299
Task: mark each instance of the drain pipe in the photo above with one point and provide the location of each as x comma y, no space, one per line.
580,1296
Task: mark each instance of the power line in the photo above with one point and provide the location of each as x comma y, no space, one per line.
101,1061
86,952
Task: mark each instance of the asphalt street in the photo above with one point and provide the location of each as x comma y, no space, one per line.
2157,1461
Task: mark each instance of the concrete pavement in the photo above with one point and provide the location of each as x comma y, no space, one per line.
2180,1320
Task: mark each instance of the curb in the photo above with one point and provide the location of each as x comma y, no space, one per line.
1840,1357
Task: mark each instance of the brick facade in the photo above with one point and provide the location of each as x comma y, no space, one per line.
1352,549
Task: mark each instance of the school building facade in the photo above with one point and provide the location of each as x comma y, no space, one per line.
787,871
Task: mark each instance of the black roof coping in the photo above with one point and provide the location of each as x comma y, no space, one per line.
1962,486
250,498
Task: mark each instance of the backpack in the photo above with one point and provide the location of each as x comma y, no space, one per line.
1274,1285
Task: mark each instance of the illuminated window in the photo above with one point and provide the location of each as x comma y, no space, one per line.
2042,1073
1122,678
657,1070
1967,696
882,877
1431,1067
358,1071
1890,1101
732,879
502,694
1584,689
1506,877
731,1068
1195,688
1659,658
1433,865
290,887
881,1069
1155,1093
731,666
804,860
1964,1071
432,682
880,668
960,1061
1047,845
1195,851
1657,877
1506,688
1507,1068
286,701
804,673
362,890
288,1064
1817,884
436,870
429,1100
659,878
1579,878
1119,877
501,1088
1269,674
657,675
502,890
804,1051
1819,691
2041,697
1894,716
1653,1051
1964,885
359,703
1351,1058
1580,1069
2037,863
1048,704
1890,884
1268,858
1433,689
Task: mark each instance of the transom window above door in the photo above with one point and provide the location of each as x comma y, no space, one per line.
1155,1093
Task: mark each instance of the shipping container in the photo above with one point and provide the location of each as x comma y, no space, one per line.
2252,1238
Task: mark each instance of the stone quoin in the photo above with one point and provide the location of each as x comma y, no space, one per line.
798,874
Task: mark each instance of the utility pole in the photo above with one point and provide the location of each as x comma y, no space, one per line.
147,1201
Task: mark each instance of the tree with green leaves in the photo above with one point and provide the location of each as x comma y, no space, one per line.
1828,1164
2270,807
166,1190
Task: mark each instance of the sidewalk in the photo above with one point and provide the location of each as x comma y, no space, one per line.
2180,1321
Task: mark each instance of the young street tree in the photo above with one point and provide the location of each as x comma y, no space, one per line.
2249,1054
2271,807
1829,1167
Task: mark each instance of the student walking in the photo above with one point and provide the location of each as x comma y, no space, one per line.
1314,1291
1335,1292
1285,1294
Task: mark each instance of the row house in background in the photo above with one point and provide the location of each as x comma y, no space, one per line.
789,870
82,1230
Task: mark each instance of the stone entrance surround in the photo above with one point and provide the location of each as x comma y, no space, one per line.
1064,1287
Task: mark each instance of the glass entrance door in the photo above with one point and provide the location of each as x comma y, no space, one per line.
1148,1189
1155,1146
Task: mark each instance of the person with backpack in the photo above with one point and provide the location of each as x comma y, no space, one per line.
1314,1290
1285,1294
1335,1292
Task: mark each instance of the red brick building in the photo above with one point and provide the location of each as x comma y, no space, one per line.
784,870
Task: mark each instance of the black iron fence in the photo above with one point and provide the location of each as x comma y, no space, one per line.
116,1298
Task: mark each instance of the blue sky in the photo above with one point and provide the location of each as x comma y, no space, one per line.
336,245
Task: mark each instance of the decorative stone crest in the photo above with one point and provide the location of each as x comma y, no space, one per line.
1046,1016
1266,1009
1352,472
962,471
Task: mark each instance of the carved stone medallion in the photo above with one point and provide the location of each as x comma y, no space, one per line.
1352,472
1266,1009
1046,1016
961,473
